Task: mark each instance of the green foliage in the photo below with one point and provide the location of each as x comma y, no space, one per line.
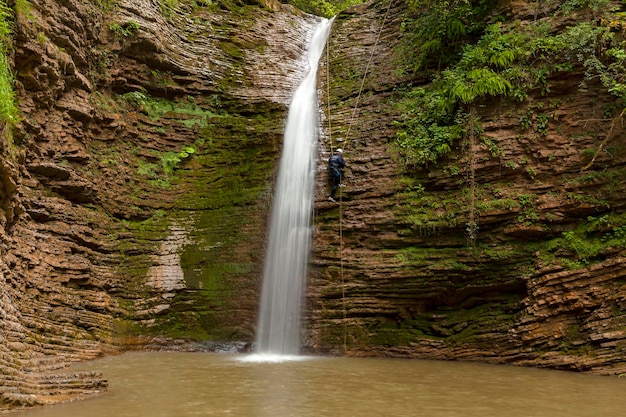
190,112
107,5
584,248
503,62
125,30
434,116
160,175
542,124
324,8
171,160
168,7
466,87
429,127
526,119
24,8
135,98
570,6
8,107
147,169
435,30
586,244
5,27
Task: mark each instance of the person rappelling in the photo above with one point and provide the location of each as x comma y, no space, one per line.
336,164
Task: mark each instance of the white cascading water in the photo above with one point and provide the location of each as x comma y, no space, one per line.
284,276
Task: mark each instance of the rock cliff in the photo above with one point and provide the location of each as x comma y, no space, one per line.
395,272
135,188
135,192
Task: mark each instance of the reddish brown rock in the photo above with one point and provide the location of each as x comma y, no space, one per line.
102,249
93,259
394,272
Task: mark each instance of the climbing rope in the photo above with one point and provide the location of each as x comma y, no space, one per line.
330,130
367,67
352,119
330,137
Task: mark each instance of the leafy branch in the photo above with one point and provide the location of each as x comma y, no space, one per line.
509,63
605,141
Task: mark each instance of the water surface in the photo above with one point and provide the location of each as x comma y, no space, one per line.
209,384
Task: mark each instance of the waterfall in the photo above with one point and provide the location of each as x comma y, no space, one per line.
284,275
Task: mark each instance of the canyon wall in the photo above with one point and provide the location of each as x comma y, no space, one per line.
396,272
136,186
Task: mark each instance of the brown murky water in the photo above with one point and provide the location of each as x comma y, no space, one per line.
205,384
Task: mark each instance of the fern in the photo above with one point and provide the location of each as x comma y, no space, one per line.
507,63
435,29
502,59
488,83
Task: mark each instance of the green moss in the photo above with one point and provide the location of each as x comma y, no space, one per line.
454,325
395,337
224,207
197,316
471,324
586,243
125,328
232,50
185,110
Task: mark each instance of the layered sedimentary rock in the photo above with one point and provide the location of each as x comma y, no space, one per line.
135,188
395,271
135,193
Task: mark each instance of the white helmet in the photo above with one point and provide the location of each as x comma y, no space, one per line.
339,150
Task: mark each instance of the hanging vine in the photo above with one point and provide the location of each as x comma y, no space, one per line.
472,223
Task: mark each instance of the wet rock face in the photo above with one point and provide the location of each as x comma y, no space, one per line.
394,272
135,190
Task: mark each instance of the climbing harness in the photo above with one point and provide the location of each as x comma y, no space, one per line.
344,146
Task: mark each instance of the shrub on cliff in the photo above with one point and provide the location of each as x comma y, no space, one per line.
326,8
505,61
8,107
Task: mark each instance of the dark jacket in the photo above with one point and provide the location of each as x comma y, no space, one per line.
335,165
